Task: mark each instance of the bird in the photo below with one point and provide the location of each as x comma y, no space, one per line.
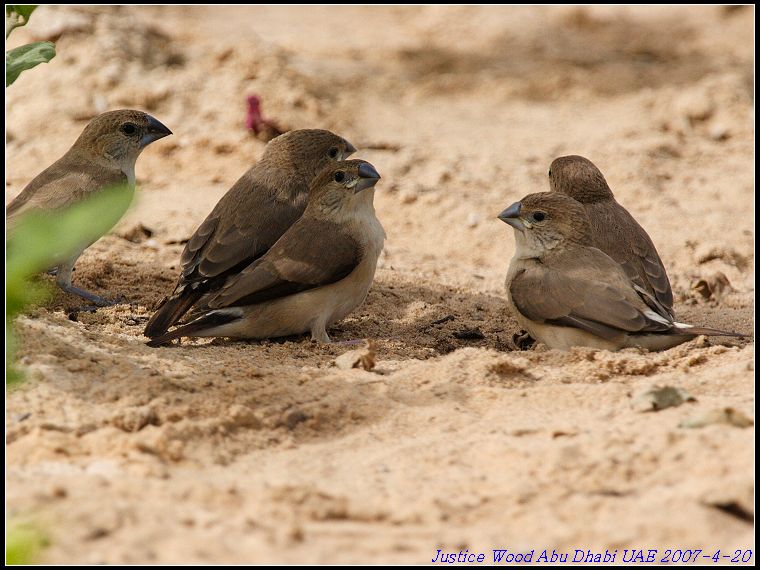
249,218
614,230
103,157
566,292
319,271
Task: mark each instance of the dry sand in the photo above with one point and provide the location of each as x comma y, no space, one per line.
221,451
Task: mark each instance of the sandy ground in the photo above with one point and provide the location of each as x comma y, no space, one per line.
221,451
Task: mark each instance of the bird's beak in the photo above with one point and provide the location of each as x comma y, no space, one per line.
156,130
511,216
368,177
350,149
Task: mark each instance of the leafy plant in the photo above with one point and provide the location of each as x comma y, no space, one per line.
39,241
27,56
23,542
17,16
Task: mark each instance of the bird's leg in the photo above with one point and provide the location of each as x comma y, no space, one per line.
63,280
92,297
319,334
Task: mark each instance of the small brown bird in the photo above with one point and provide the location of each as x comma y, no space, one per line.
565,292
103,156
613,228
249,219
317,273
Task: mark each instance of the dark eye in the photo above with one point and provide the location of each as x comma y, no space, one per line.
333,152
128,129
550,173
340,176
538,216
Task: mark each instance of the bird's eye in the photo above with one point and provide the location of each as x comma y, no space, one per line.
340,176
538,216
128,129
550,173
333,152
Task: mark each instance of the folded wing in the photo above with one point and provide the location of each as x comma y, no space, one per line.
599,299
312,253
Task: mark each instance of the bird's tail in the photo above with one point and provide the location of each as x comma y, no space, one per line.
689,329
202,324
171,309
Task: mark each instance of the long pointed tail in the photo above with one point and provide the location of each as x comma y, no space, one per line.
171,310
705,330
202,324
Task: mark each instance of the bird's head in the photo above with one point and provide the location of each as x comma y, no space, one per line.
308,151
546,220
343,185
579,178
120,136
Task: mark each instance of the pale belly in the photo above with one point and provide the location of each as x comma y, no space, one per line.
309,311
560,338
306,311
316,309
565,338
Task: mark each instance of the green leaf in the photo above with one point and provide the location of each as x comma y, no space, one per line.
40,241
23,543
23,11
26,57
12,376
17,16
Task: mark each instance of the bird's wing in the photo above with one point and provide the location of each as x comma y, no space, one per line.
312,253
622,237
585,298
60,186
242,227
653,268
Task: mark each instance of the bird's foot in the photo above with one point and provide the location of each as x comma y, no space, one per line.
92,297
321,337
523,341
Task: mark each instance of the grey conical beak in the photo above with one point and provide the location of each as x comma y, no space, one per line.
156,130
350,149
511,216
368,177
